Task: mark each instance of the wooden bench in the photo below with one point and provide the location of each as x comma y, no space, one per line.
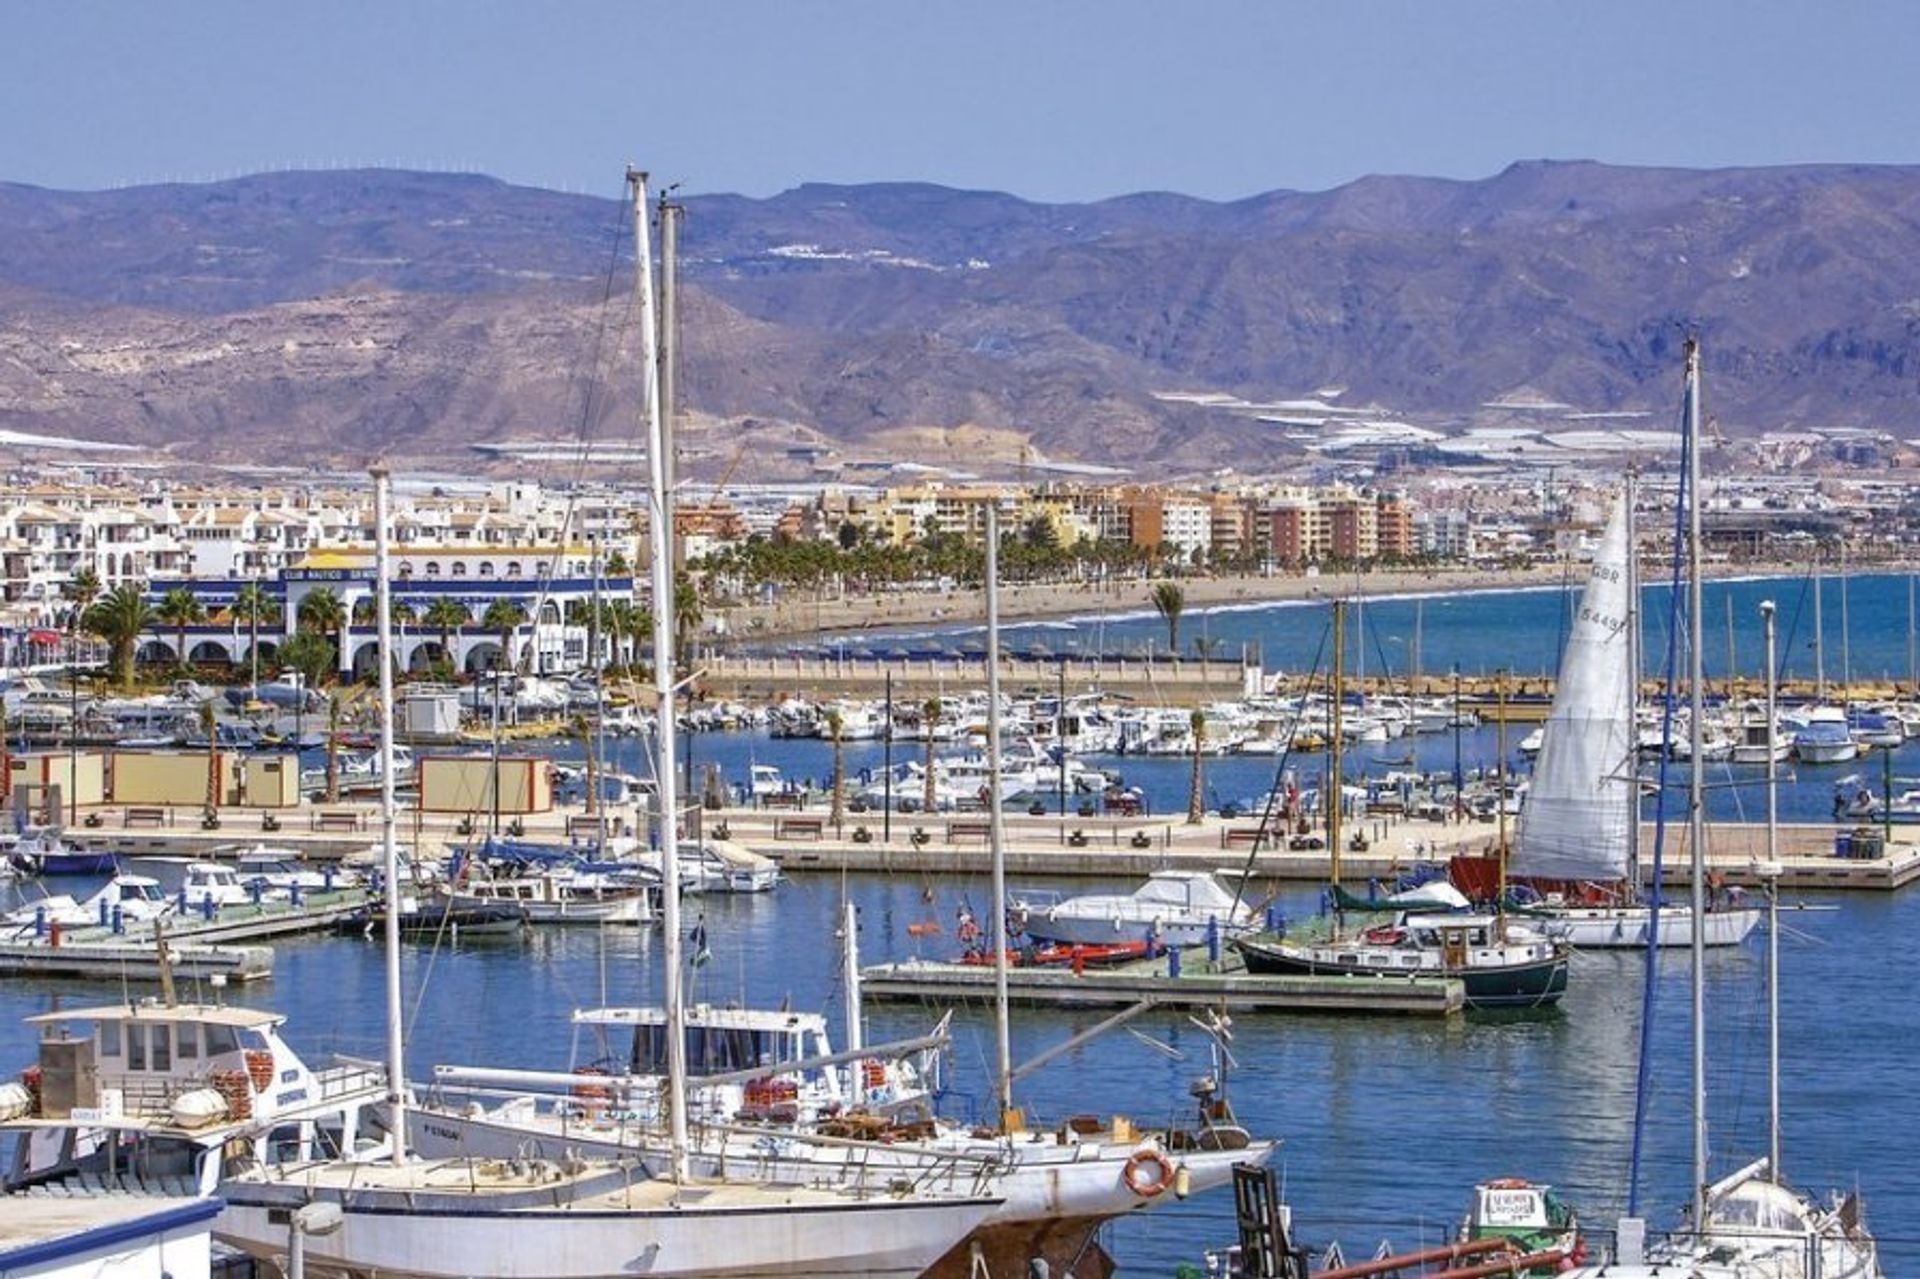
146,817
957,831
799,827
784,799
339,820
1253,837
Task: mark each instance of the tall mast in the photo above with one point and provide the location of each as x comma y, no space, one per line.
996,823
1696,792
660,546
389,846
1333,741
1819,631
668,353
1773,918
1631,763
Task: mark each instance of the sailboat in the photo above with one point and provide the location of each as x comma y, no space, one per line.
573,1218
1750,1224
1500,962
1578,833
1056,1187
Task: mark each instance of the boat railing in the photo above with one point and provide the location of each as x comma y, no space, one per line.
349,1077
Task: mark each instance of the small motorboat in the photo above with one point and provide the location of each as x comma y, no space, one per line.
1178,907
436,918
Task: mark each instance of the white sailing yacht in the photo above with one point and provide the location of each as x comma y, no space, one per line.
1751,1224
571,1218
1577,839
1055,1186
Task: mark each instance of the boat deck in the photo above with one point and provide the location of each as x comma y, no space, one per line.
1201,983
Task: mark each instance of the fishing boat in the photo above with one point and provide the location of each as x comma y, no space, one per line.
1576,848
559,895
1174,907
1531,1219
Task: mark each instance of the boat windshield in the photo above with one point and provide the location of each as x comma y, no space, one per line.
710,1050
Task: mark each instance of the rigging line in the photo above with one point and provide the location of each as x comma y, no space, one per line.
1642,1096
588,380
1280,764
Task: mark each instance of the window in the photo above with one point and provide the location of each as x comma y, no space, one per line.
221,1040
187,1042
433,568
513,568
109,1039
162,1047
486,568
459,568
136,1048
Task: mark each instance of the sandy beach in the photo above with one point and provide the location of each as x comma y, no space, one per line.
796,613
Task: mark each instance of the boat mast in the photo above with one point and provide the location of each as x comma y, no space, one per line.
1819,632
850,956
1333,741
996,824
389,847
1696,792
1773,917
660,577
1631,764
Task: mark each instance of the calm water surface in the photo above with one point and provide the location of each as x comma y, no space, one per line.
1385,1123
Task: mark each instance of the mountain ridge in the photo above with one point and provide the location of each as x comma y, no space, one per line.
321,315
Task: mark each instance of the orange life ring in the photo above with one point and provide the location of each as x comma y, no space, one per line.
873,1073
1137,1178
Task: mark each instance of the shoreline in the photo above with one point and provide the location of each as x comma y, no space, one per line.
795,616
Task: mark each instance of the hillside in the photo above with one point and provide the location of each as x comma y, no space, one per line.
328,316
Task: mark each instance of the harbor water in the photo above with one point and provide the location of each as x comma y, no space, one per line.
1386,1122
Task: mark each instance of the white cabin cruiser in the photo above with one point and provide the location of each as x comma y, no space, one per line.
1179,907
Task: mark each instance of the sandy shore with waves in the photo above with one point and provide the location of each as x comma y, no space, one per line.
802,613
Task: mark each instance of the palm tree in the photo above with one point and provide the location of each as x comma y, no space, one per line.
1196,799
504,617
252,605
81,592
838,813
687,616
446,615
322,613
309,654
120,617
209,724
333,747
932,717
1169,600
180,608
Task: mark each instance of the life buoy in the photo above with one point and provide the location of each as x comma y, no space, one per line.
1148,1173
873,1074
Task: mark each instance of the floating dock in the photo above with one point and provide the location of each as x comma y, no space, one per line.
1201,984
121,959
198,946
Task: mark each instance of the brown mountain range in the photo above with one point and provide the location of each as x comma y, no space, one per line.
314,317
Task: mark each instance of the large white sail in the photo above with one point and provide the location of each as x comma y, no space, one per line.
1580,807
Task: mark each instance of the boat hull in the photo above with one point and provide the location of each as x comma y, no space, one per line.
402,1235
1626,927
1535,983
1045,1180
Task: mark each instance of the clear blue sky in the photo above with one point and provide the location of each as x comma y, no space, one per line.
1050,99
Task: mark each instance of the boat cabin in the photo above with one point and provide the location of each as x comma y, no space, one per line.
719,1040
144,1091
